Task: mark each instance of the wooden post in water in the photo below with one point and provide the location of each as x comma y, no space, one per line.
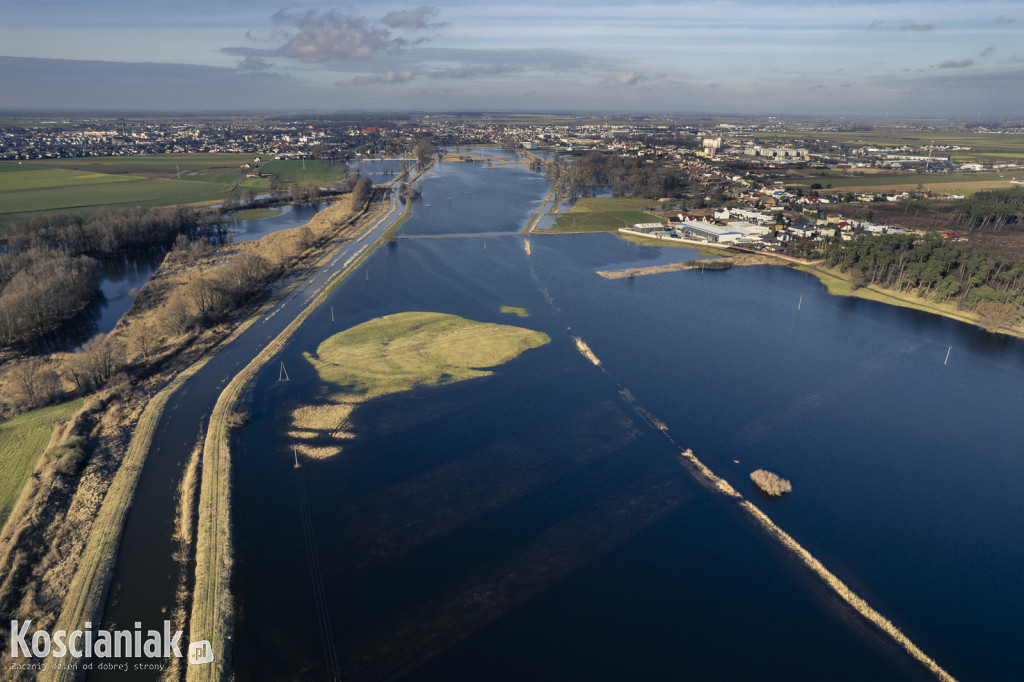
295,453
946,361
800,303
332,314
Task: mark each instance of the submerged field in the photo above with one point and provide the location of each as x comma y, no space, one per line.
396,353
22,441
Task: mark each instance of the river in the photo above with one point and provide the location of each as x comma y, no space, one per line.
530,525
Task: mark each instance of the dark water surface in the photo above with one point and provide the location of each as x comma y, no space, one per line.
529,525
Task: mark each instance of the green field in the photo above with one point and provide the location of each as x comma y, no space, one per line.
604,215
85,185
256,213
306,172
22,440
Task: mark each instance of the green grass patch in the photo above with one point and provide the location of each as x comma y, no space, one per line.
605,214
306,172
399,352
606,204
22,441
156,165
49,178
609,221
256,213
511,310
85,185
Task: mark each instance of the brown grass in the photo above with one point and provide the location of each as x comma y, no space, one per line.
771,483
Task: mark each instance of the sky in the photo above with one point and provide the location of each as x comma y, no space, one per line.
855,58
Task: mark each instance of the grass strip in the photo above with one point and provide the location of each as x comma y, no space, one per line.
23,439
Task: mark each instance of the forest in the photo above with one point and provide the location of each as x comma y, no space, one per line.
973,276
627,176
48,270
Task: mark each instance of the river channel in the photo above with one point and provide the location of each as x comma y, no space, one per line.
530,525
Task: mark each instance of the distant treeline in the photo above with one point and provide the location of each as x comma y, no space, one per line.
47,273
990,210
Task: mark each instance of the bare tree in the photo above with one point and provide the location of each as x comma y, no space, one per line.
177,314
96,361
995,315
35,384
205,296
142,338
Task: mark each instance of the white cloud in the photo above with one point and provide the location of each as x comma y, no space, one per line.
389,78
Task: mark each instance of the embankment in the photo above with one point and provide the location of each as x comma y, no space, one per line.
212,601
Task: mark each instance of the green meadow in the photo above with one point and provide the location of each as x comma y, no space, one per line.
85,185
22,441
604,215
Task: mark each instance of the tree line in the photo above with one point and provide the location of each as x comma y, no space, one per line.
48,271
970,275
627,176
105,233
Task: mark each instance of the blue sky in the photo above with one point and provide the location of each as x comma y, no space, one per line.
856,58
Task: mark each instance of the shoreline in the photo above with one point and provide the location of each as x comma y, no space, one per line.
835,282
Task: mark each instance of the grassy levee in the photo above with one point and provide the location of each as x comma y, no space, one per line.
87,594
212,602
23,439
88,591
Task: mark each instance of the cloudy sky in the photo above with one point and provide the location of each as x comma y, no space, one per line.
856,57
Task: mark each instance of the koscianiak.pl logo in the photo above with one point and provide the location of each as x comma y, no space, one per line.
41,650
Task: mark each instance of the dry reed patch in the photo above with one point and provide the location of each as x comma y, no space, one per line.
771,483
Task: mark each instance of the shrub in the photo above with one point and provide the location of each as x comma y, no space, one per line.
771,483
69,455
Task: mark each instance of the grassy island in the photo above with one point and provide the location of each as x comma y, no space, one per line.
397,353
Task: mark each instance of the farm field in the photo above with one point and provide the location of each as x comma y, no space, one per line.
943,183
85,185
22,441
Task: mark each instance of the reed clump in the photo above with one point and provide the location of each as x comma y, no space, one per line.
771,483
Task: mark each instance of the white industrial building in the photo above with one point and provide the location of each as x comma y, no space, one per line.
708,233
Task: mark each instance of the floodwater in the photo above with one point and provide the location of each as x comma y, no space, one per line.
530,525
121,276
